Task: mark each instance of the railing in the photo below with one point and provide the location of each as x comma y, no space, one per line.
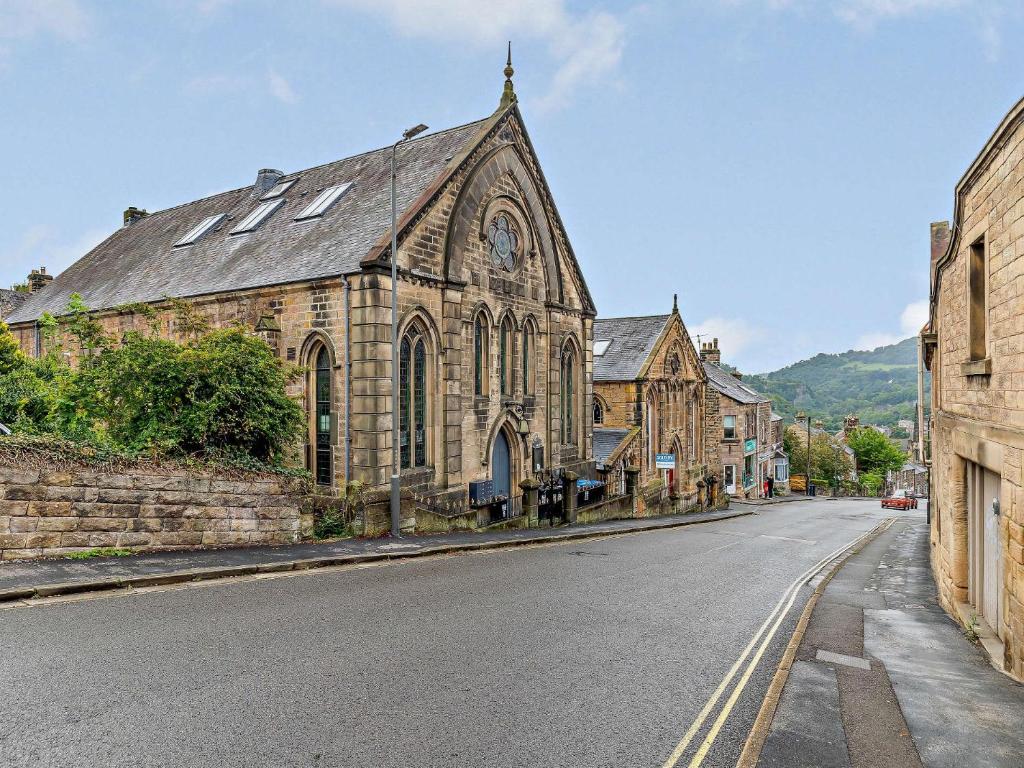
502,508
589,492
549,502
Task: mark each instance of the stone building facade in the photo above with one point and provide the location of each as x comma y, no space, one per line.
974,347
744,436
495,319
649,398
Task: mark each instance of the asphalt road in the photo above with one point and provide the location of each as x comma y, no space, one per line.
594,653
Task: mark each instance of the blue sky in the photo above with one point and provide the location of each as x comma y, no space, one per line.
774,162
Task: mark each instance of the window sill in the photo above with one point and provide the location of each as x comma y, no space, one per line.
977,367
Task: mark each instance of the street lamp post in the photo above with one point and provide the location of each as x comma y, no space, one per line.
396,489
807,417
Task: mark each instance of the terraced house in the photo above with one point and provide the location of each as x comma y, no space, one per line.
649,399
974,347
495,319
742,424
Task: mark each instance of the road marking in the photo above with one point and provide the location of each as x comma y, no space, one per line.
790,596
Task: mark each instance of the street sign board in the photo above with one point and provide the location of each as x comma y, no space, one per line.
665,460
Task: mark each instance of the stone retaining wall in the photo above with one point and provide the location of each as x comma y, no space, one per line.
49,512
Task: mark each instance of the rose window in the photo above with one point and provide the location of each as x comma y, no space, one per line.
504,241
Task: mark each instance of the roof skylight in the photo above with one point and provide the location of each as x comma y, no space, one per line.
279,189
600,347
200,229
257,217
324,200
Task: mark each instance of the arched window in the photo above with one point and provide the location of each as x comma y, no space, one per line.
505,357
568,396
412,385
480,355
598,412
527,352
321,411
652,430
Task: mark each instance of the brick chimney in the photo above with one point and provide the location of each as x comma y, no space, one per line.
38,279
266,178
133,214
710,353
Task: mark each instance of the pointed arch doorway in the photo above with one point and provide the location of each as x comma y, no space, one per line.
501,465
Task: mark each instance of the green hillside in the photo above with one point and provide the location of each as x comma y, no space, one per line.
879,386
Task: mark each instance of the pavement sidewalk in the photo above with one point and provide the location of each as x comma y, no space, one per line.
883,677
24,580
774,500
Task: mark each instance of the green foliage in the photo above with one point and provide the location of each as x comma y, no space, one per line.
830,464
25,398
218,394
333,516
100,552
879,386
875,452
11,356
795,450
872,482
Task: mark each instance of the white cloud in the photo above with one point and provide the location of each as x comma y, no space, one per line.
914,316
42,246
65,19
867,12
912,319
586,46
734,335
280,88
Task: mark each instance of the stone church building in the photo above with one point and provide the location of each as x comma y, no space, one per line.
495,319
649,398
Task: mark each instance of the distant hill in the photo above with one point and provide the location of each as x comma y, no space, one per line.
879,386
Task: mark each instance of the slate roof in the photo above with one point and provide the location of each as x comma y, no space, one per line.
139,262
10,300
632,339
606,441
730,386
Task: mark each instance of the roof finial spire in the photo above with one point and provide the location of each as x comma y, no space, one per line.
675,303
508,95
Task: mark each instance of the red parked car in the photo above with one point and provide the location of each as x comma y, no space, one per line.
900,500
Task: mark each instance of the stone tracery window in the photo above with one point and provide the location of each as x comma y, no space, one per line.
505,242
505,357
412,386
568,396
480,352
525,354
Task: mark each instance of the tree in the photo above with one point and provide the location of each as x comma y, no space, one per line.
224,392
829,462
25,398
875,452
215,393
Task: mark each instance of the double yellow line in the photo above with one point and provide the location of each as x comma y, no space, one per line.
764,635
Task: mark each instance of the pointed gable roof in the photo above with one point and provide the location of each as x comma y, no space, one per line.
630,342
730,386
140,263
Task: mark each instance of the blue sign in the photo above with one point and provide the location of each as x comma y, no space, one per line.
750,446
665,461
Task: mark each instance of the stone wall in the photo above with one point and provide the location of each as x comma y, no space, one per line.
978,404
60,512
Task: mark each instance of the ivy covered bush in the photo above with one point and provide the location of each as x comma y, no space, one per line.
217,393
